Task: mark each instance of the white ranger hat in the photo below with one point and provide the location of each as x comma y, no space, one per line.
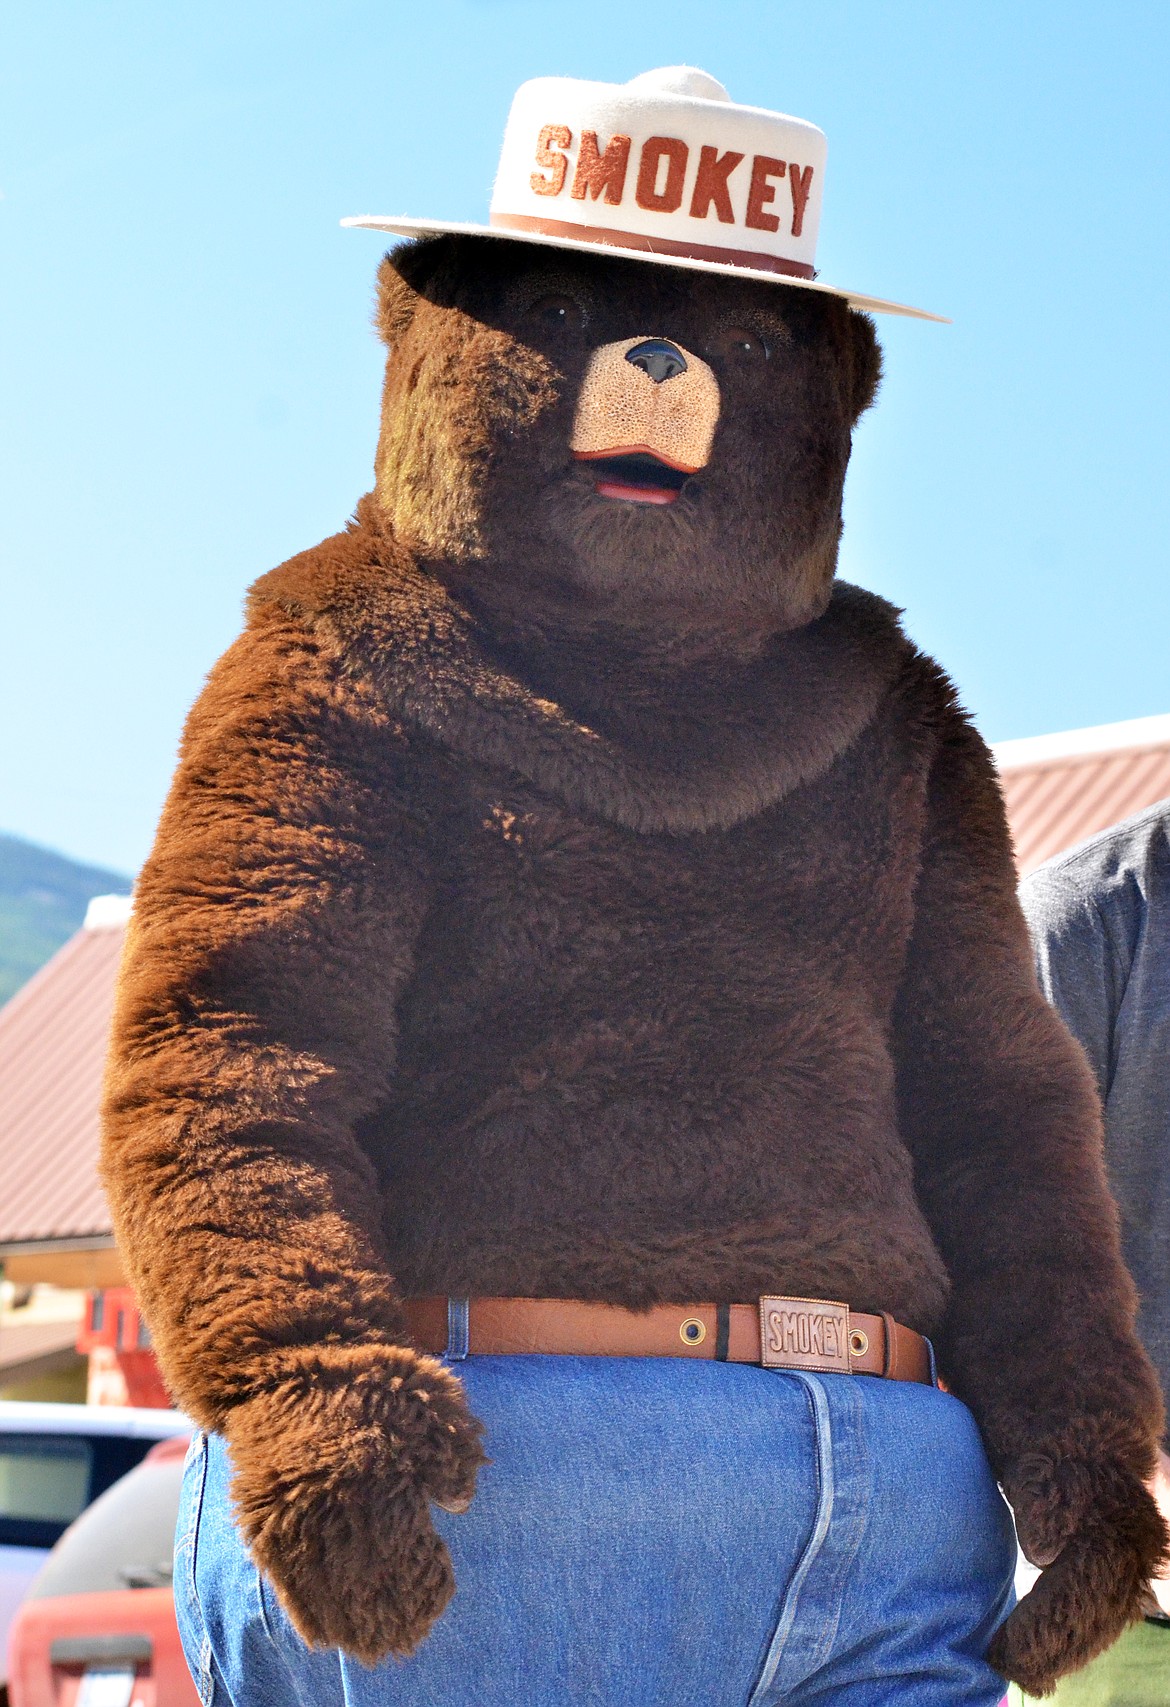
665,168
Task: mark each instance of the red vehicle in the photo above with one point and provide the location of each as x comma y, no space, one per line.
97,1628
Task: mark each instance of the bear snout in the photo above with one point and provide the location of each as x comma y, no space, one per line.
647,397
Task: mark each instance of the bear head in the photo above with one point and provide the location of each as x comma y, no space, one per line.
615,441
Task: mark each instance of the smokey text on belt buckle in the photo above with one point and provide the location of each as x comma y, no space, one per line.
805,1333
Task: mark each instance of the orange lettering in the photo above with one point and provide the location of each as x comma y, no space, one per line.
711,184
800,183
601,172
762,192
561,135
648,195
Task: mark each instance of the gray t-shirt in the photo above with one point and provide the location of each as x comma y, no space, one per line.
1100,923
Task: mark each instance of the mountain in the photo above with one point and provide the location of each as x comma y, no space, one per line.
43,897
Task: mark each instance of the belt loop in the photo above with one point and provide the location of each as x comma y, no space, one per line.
458,1310
933,1362
722,1331
890,1361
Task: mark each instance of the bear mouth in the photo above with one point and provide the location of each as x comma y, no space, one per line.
635,475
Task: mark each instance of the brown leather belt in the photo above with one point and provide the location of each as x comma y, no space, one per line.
779,1333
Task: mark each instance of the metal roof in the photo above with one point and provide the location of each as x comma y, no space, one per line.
1061,789
52,1049
31,1342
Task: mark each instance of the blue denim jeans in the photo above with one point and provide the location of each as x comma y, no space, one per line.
659,1533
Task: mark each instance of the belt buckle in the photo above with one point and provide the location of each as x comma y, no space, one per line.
805,1333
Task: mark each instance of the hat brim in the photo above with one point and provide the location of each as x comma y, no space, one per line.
456,228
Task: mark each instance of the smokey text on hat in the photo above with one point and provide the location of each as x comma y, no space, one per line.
664,166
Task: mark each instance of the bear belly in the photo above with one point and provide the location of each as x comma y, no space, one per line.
644,1069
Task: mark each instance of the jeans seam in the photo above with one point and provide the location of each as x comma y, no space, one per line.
861,1478
263,1603
823,1432
187,1550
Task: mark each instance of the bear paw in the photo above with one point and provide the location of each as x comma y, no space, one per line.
335,1468
1098,1534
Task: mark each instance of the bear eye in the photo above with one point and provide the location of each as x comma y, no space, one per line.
739,346
560,315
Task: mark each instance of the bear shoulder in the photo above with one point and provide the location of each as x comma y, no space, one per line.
922,693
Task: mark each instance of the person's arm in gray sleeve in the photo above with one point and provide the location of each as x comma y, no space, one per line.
1077,963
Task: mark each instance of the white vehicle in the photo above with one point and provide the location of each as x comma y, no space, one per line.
55,1460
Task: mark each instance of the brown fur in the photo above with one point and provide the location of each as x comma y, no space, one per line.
563,898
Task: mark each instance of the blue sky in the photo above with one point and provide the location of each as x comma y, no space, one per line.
188,382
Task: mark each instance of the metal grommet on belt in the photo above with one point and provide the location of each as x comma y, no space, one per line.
692,1331
858,1342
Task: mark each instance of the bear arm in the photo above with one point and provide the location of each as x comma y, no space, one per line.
1002,1117
1001,1114
255,1025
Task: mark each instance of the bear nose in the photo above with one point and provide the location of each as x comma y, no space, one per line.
660,359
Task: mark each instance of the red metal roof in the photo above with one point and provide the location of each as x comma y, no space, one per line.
1062,789
52,1049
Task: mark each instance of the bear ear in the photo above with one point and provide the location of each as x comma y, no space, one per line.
396,301
866,363
428,266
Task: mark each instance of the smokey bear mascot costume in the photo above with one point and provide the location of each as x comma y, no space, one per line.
577,1035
